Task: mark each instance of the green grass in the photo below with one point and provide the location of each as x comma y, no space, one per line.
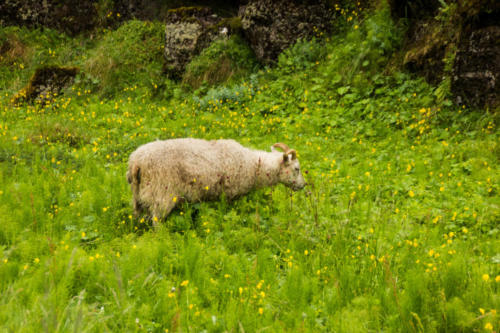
397,230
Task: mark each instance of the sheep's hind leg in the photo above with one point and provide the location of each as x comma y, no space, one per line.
139,208
160,210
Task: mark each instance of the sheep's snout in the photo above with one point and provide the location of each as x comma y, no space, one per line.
298,185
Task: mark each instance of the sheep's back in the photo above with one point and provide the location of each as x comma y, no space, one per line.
195,167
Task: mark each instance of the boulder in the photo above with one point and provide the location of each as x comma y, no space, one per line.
77,16
188,31
476,71
70,16
271,26
45,83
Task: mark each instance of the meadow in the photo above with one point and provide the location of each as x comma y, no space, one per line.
397,230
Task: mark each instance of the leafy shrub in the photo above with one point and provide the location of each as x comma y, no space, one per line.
22,51
223,94
225,60
130,54
365,50
12,48
302,55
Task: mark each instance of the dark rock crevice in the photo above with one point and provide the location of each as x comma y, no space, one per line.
476,71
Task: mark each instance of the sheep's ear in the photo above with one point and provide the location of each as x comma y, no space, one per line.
285,157
273,149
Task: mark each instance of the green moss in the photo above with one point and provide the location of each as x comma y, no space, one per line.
186,11
187,14
233,23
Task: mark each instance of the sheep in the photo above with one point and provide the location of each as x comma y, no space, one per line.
165,173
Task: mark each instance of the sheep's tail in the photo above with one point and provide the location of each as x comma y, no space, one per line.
134,175
134,179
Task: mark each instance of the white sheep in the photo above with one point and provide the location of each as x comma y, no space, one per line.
164,173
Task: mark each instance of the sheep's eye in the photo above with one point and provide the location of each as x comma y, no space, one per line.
297,169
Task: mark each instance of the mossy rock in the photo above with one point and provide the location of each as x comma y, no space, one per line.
188,31
233,24
272,26
476,70
457,43
45,83
187,13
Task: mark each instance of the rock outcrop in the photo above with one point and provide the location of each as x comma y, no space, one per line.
476,71
71,16
428,45
45,83
188,31
77,16
456,41
271,26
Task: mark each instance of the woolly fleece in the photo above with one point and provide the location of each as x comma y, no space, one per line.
165,173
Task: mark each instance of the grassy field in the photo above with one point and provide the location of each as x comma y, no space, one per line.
397,230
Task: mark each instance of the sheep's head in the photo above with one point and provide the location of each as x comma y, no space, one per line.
290,173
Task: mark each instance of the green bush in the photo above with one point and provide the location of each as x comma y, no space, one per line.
302,55
225,60
365,50
220,95
130,55
23,50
